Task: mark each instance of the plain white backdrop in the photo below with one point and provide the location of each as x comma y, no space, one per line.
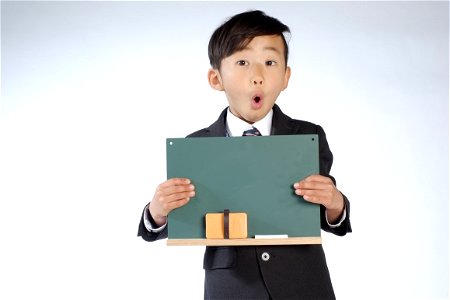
90,91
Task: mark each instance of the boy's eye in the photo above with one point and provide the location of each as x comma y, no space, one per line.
271,63
241,63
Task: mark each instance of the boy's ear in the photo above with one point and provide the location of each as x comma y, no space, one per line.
287,75
214,79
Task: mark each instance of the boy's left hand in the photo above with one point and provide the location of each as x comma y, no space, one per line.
321,190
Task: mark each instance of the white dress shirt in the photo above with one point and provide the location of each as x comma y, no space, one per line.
236,126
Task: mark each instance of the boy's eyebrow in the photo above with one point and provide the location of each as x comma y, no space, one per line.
271,48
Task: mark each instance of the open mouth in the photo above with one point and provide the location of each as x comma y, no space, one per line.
257,101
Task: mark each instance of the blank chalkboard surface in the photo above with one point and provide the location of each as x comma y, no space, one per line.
245,174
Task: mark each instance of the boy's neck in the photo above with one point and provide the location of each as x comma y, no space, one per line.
236,126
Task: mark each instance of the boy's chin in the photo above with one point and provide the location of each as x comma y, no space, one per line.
253,118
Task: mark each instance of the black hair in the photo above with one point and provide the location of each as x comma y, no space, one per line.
238,31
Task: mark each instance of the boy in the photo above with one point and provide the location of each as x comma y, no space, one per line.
248,56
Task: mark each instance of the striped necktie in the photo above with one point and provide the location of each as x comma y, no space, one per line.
251,132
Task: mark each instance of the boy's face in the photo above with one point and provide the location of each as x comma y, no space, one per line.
253,78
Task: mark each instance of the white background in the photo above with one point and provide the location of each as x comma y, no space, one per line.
90,91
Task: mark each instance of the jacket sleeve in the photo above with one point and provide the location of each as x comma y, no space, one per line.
147,235
325,163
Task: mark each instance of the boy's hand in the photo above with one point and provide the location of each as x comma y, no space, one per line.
321,190
171,194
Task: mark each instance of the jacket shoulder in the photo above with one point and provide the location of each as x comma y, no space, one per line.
200,133
216,129
305,127
283,124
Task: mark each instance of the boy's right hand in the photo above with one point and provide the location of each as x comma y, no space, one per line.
171,194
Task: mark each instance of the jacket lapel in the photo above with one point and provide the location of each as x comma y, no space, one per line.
281,123
218,128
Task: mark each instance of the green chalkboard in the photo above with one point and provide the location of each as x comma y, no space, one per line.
245,174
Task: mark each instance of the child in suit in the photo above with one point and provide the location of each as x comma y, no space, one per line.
248,56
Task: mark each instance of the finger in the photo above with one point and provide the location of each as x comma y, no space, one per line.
318,197
172,187
165,199
174,205
171,202
314,185
316,200
176,189
329,200
323,194
317,194
314,178
175,181
315,182
318,178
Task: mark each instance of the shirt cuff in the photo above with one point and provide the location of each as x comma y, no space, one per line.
344,215
149,223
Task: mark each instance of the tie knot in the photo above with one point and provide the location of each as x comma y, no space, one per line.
251,132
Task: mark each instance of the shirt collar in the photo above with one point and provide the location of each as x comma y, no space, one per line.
236,126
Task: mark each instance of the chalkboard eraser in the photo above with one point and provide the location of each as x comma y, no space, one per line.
271,236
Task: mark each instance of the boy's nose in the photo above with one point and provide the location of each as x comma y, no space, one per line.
257,81
257,76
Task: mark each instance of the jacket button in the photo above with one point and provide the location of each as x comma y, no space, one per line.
265,256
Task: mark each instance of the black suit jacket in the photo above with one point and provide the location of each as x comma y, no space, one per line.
269,272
